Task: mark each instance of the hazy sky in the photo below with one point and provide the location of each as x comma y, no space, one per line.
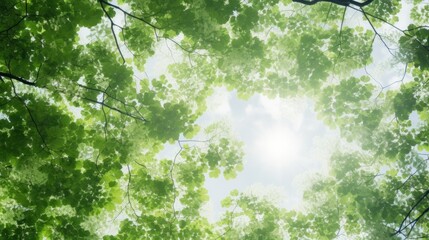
285,143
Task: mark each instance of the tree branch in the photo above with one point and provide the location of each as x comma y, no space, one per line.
112,28
19,21
341,29
338,2
114,109
103,104
128,191
405,32
403,226
45,146
376,32
19,79
172,179
129,14
107,95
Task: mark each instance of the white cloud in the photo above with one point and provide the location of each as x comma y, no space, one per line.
273,107
218,103
283,111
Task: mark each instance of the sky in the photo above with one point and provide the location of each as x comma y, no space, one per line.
284,142
284,145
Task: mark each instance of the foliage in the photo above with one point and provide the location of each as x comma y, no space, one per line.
80,130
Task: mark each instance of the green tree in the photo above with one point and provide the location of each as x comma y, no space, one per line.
79,131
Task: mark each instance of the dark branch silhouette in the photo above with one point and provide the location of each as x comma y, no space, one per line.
405,32
33,120
112,28
19,79
129,14
376,32
114,109
128,192
104,92
104,3
19,21
338,2
412,223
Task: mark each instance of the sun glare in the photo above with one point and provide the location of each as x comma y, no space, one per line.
278,146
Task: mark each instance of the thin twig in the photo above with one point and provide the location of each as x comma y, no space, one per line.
128,191
376,32
130,14
45,146
19,21
405,32
341,29
114,109
403,226
112,28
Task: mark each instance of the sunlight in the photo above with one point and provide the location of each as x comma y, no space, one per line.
278,146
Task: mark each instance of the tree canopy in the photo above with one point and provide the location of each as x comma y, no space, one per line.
80,128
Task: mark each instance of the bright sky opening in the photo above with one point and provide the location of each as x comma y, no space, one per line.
284,145
278,146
